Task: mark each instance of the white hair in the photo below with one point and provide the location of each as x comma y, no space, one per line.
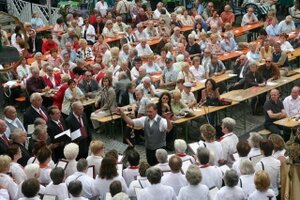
31,170
229,123
71,151
180,146
161,155
35,96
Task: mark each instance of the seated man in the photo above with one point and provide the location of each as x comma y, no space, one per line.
147,87
291,103
88,85
274,110
287,25
169,75
187,96
143,49
249,18
36,83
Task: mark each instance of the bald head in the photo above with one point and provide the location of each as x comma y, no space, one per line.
10,112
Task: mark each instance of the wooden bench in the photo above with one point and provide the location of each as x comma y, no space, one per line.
264,132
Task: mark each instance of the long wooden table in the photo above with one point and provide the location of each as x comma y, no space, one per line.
288,122
241,30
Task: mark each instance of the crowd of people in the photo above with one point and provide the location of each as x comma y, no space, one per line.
80,61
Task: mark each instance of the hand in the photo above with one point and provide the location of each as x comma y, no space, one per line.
119,110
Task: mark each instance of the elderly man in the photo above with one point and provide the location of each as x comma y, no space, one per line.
291,103
71,59
228,141
147,87
77,120
36,83
67,37
139,32
287,25
88,85
19,137
119,26
88,189
143,49
35,43
227,15
162,158
154,177
51,79
38,60
157,11
240,68
36,110
192,47
155,130
141,103
175,179
11,120
151,31
169,75
4,141
249,18
176,36
187,96
208,11
137,63
274,110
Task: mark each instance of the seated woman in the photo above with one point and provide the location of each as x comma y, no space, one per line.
197,30
285,45
107,98
214,45
186,19
84,52
72,94
108,29
203,41
186,74
54,59
176,103
97,46
210,94
198,71
266,50
253,54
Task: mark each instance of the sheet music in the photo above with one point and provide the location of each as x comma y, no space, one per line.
67,132
62,163
120,169
49,197
213,192
76,134
185,165
235,156
194,146
30,129
91,171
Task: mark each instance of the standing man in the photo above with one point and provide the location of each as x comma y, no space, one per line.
78,120
4,142
155,129
291,103
274,110
11,120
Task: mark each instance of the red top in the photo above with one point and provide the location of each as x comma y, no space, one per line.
47,46
49,83
59,96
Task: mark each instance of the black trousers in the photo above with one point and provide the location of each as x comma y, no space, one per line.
151,158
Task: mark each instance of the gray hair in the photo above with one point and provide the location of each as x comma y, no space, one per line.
193,175
146,79
65,78
7,108
254,139
246,167
228,123
16,133
82,165
71,151
203,155
34,96
161,155
231,178
180,146
38,130
37,54
153,175
31,170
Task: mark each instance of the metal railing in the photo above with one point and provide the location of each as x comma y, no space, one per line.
22,10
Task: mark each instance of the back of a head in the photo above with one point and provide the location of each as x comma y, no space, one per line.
193,175
143,168
108,168
82,165
71,151
57,175
246,167
133,158
262,181
44,154
243,148
203,155
267,147
154,175
115,188
32,170
75,188
180,146
161,155
175,164
30,187
231,178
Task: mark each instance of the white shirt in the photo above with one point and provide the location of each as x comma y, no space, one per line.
89,30
286,46
71,168
157,191
272,166
139,35
175,180
247,19
130,174
191,192
102,185
199,73
95,160
20,194
18,173
254,152
77,198
262,195
146,92
229,142
188,98
23,71
236,164
11,186
246,182
143,51
134,74
211,176
227,193
32,198
215,149
286,28
156,13
140,122
163,167
60,190
291,106
141,182
88,184
278,154
101,7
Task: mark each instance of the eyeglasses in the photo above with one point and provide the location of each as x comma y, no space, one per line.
268,61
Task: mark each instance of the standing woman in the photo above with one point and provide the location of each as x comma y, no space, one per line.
107,97
72,94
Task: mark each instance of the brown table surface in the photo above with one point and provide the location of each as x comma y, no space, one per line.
241,30
288,122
